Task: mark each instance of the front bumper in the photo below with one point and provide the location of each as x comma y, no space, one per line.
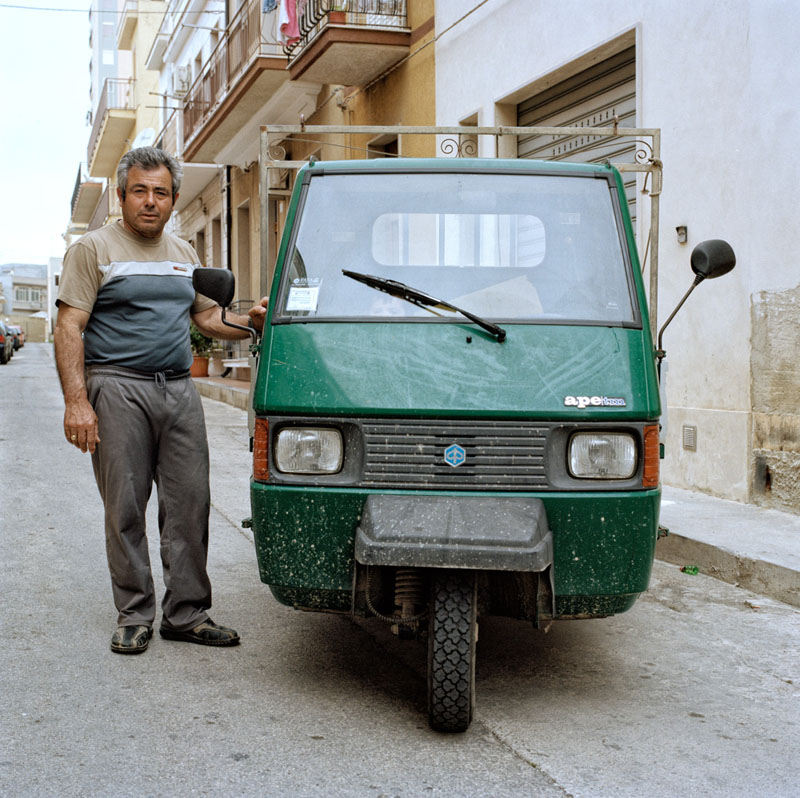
603,543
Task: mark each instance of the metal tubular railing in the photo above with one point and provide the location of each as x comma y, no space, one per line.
356,13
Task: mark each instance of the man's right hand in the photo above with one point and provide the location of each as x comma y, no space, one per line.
80,425
80,421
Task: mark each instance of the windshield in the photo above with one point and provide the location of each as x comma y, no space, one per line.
505,247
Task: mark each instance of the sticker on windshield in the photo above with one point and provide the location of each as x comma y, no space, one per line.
303,294
594,401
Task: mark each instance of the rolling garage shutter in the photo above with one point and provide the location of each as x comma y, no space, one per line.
591,98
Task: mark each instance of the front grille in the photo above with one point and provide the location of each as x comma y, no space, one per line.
500,455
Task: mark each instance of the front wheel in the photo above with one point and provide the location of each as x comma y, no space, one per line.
452,634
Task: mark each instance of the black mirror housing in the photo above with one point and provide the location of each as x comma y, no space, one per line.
712,259
216,284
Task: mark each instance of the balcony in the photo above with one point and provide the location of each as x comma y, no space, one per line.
84,198
177,28
30,294
243,72
349,42
127,24
113,124
196,176
107,209
244,78
169,138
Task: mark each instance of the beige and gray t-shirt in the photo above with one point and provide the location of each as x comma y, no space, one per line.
139,294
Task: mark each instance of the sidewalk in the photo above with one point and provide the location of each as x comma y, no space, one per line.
224,389
743,544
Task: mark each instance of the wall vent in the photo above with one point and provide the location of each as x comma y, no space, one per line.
690,438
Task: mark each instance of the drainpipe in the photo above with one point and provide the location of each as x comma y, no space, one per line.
228,217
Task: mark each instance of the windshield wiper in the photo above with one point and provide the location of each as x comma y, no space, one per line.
421,299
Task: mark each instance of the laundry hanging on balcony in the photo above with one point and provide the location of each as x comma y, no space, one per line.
269,21
289,13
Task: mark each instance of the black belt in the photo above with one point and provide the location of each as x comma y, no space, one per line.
121,371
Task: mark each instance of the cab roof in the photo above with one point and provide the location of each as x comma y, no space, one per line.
472,165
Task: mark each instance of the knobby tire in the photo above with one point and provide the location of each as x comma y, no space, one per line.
452,634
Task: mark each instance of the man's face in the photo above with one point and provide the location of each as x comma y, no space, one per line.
148,200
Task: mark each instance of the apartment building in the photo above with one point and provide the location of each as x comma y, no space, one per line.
23,298
125,105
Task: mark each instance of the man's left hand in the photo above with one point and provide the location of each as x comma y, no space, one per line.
258,313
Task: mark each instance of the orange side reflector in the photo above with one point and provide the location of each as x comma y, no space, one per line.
651,457
260,450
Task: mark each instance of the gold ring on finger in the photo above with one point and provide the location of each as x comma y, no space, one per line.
73,437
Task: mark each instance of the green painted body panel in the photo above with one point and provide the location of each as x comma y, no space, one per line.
429,369
604,544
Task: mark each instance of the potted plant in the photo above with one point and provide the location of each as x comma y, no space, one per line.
201,346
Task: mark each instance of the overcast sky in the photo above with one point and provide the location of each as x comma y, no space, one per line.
44,69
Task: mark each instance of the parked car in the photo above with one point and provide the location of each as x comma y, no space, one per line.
6,344
18,334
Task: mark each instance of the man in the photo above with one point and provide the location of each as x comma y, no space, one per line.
123,356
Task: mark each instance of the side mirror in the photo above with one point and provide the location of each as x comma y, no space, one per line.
709,259
216,284
712,259
219,285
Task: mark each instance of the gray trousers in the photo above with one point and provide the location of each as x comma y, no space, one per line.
152,429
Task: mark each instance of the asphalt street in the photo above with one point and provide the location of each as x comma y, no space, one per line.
694,692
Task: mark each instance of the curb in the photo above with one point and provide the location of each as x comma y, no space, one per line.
758,576
231,395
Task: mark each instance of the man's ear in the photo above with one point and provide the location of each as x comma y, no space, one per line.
175,198
120,194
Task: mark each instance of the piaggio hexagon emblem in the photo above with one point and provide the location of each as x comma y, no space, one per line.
454,455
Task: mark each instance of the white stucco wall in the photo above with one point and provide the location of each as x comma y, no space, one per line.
721,81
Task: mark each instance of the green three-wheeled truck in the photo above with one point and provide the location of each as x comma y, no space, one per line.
457,401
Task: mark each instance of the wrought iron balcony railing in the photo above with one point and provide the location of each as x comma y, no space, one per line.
352,13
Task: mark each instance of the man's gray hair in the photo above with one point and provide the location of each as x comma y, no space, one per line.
148,158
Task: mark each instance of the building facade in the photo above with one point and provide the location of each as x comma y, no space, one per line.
24,292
